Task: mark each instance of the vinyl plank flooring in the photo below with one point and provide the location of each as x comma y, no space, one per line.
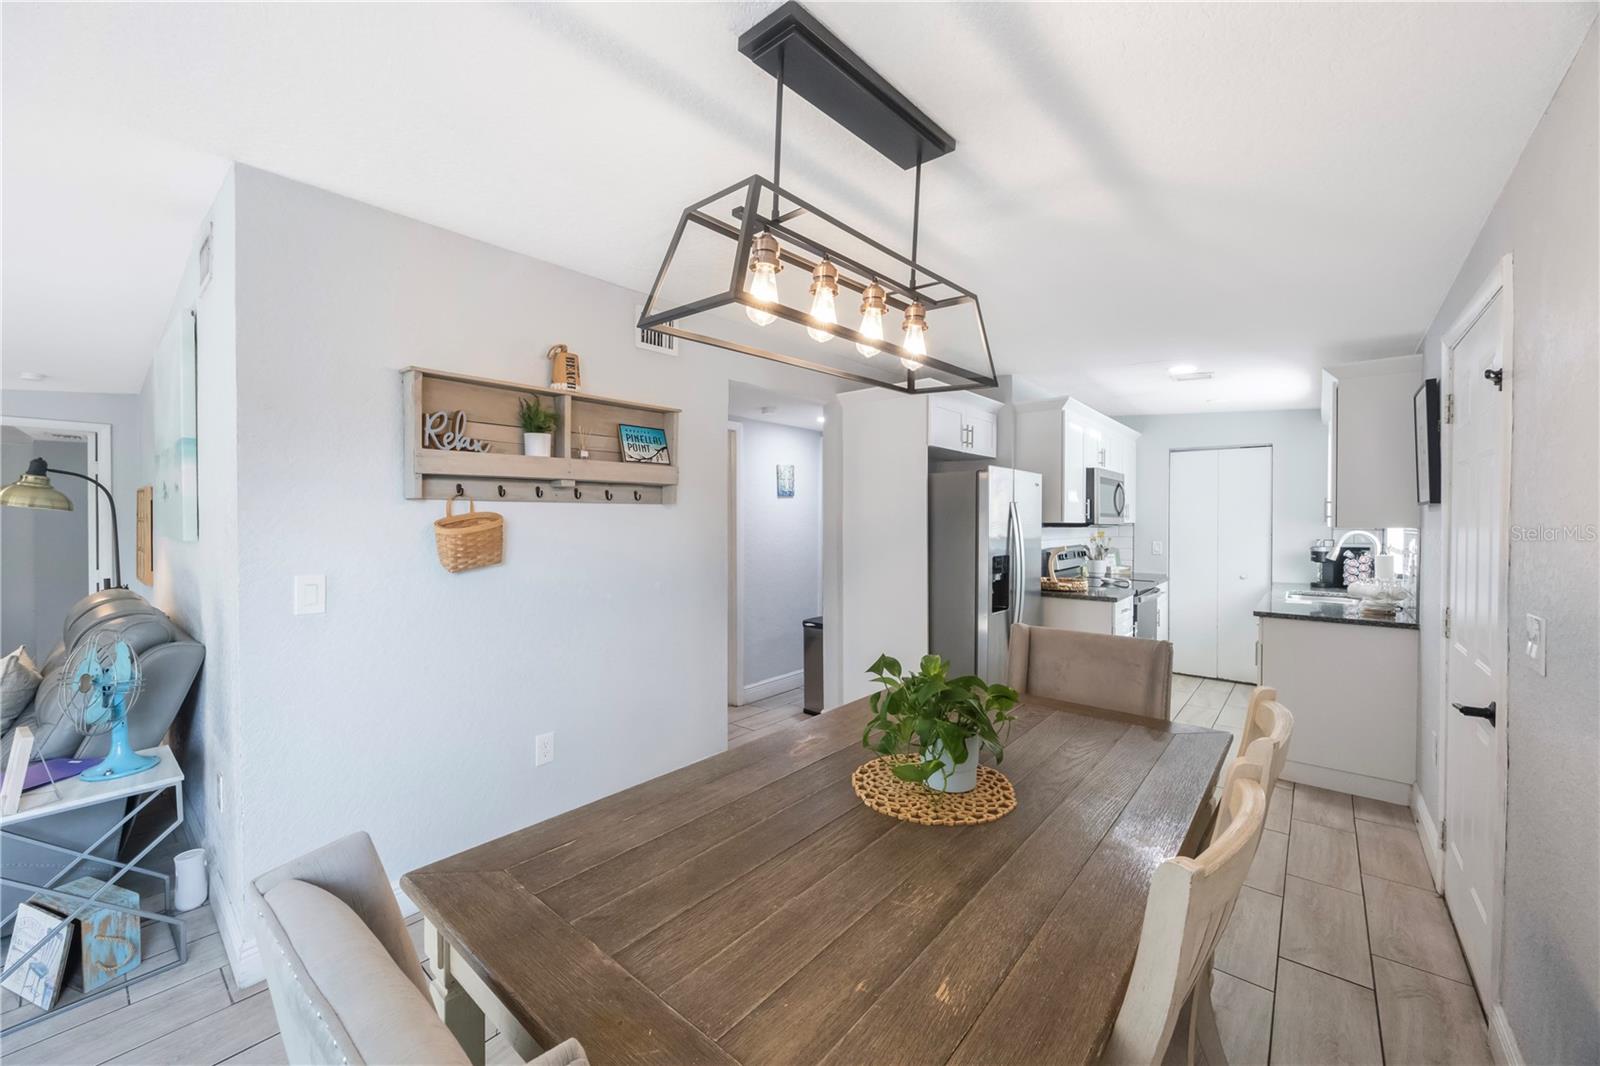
1196,713
213,1038
1429,1020
1329,856
1185,684
1321,807
1272,857
123,1030
1393,853
1326,929
269,1052
1211,693
59,1022
205,956
1372,810
1244,1019
1318,1019
1248,948
1410,925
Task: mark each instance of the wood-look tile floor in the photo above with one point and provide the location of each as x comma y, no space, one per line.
753,719
1338,952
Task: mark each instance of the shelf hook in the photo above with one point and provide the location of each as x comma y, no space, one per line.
502,490
459,492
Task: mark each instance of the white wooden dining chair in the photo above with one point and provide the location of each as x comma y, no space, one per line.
1267,729
1188,908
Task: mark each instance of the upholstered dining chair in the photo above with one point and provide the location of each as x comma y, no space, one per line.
1185,915
345,983
1115,673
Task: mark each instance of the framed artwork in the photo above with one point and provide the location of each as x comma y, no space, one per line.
1425,405
643,444
176,416
785,481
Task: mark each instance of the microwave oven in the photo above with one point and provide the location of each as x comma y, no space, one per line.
1108,500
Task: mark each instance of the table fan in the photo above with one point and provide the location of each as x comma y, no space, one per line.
97,694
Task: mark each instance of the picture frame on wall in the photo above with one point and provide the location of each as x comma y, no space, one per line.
785,481
643,444
1425,406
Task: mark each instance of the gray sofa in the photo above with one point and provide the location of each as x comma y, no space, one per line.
169,660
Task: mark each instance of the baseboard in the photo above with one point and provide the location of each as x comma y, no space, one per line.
1428,830
1344,781
238,935
760,690
1502,1041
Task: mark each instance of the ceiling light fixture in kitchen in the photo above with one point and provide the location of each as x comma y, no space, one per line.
730,249
1188,372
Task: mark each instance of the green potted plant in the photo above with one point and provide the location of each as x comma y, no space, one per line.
949,720
538,427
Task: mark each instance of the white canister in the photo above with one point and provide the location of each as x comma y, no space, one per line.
953,777
537,443
1384,568
189,869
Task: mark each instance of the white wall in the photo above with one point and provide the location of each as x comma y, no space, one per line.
409,709
1547,219
782,548
1299,477
875,583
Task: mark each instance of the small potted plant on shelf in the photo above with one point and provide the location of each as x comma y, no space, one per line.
538,427
949,720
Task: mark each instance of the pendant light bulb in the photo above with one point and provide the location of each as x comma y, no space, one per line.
764,267
873,303
915,340
824,290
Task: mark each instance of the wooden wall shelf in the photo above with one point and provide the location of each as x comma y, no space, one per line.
587,422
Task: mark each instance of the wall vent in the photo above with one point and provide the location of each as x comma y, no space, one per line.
653,340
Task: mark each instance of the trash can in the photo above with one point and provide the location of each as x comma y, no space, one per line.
811,700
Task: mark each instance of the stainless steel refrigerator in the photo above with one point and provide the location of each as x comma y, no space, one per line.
983,564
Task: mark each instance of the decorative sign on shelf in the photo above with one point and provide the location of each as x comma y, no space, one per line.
643,444
439,431
564,368
785,481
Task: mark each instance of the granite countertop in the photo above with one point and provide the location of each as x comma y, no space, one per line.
1277,605
1111,594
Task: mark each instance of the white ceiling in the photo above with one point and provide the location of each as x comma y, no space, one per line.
756,404
1256,189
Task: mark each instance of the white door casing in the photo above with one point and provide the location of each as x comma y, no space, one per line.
1192,515
1477,537
1244,556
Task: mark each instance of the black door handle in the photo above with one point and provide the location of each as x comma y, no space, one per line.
1477,712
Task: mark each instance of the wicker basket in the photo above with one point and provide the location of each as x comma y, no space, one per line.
470,540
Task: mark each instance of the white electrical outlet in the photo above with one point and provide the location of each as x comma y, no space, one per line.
1535,643
1155,547
544,748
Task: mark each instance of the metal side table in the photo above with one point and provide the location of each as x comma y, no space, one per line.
74,794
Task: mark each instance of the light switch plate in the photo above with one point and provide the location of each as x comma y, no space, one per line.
1156,548
310,594
1534,640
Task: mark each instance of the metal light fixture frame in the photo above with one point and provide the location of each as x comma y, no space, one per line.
843,86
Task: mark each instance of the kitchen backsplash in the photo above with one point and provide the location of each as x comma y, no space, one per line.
1118,538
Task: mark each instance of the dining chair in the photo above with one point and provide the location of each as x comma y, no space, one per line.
1185,914
346,985
1114,673
1269,719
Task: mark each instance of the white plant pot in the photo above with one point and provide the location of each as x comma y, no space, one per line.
954,778
537,443
1098,567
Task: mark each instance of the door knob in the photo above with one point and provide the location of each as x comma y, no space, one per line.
1477,712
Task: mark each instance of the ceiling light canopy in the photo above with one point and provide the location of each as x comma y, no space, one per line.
730,250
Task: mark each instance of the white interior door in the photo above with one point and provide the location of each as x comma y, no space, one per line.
1192,518
1476,645
1244,556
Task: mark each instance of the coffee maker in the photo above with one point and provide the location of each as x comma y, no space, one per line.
1330,564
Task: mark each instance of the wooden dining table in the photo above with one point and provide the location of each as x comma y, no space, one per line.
748,908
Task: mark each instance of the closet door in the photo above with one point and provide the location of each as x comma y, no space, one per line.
1192,537
1244,556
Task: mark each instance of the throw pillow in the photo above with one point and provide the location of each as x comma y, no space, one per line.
19,680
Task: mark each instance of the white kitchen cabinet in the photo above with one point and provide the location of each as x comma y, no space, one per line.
1114,617
1367,408
1063,440
964,425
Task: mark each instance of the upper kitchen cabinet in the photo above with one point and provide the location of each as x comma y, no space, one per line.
1064,440
1367,408
961,425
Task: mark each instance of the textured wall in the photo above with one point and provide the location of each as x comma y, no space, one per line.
1299,478
1546,218
782,546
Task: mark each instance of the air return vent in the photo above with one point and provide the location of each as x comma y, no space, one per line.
653,340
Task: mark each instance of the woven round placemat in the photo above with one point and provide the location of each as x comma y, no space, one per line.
909,801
